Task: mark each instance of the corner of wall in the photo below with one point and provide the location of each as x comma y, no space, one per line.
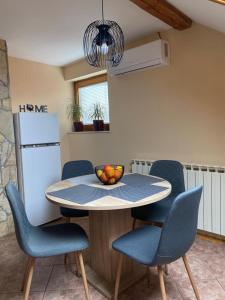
7,145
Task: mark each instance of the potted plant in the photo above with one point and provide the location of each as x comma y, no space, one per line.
74,113
97,115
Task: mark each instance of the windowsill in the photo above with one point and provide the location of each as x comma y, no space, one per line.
87,128
78,132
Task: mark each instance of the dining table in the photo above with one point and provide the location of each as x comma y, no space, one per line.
109,209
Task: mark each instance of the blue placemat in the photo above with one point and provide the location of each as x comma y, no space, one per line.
134,194
136,187
138,180
80,193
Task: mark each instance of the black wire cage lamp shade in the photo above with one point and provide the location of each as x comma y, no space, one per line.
103,43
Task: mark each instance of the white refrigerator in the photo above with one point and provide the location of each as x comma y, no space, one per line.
38,163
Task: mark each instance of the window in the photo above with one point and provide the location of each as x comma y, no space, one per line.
90,92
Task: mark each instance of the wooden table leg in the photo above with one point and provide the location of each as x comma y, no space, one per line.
105,227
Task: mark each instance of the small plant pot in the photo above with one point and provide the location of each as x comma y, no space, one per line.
98,125
78,126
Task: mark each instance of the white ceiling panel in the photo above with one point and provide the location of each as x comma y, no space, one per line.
51,31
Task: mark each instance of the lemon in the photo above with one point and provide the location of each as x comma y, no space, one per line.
99,173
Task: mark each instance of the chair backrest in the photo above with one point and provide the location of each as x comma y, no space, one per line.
22,225
77,168
172,171
179,230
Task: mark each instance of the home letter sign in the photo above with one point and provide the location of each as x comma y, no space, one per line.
33,108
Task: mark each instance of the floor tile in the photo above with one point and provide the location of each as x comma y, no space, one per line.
63,278
11,278
73,294
50,261
64,295
54,280
199,268
41,278
19,296
145,291
221,281
208,290
10,252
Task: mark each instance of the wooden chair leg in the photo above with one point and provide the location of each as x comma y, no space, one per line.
29,276
162,284
188,269
25,274
77,265
134,223
117,284
83,274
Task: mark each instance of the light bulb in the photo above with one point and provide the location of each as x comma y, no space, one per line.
104,49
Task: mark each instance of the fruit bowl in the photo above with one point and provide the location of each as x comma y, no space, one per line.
109,174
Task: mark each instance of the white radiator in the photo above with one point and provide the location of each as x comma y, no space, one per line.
212,206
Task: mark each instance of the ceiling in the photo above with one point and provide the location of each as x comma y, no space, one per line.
204,12
51,31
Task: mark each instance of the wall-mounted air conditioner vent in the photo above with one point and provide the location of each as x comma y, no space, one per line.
151,55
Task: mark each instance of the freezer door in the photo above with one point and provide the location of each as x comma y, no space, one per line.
41,167
37,128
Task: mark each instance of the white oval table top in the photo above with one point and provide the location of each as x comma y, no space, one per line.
107,202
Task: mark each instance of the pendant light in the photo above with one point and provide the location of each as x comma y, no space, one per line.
103,43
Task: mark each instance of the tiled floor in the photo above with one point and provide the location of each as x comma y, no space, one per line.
52,280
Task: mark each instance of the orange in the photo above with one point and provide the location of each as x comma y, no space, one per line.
117,174
112,180
104,177
109,171
106,167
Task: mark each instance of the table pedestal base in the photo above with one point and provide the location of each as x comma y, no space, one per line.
107,288
105,227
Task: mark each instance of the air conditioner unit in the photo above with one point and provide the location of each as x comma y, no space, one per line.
151,55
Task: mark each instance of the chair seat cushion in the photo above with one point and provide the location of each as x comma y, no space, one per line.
56,239
140,244
73,213
156,212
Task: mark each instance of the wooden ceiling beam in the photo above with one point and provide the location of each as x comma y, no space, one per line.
166,12
219,1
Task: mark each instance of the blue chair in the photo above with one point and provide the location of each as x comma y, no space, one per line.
171,171
74,169
45,241
154,246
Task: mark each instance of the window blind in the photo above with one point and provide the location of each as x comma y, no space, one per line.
90,95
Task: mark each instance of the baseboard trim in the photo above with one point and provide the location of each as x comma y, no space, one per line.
211,236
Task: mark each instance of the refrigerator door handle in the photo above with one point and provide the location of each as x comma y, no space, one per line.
39,145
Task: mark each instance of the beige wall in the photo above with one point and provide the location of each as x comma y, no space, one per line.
80,70
175,112
36,83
